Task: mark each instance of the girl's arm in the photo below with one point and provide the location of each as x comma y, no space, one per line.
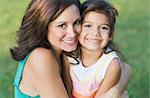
111,78
118,90
46,75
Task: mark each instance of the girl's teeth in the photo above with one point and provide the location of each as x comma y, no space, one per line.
93,40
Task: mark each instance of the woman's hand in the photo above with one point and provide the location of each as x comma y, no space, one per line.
118,91
112,93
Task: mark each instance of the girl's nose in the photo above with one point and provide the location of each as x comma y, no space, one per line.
96,32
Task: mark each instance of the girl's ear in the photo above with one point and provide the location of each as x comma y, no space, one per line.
111,36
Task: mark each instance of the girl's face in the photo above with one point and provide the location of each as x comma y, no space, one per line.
64,30
95,31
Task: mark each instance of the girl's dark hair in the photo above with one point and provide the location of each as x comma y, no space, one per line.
33,30
34,27
102,6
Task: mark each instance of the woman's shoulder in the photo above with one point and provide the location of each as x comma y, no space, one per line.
41,54
42,59
41,51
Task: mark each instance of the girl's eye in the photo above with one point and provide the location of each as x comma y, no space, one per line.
87,25
61,26
105,28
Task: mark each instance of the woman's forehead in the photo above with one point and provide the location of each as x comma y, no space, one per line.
71,13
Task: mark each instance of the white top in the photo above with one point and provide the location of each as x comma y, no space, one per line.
86,80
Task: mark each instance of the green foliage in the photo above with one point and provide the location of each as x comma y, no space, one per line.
132,34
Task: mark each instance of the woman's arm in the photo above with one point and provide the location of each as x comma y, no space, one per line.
125,76
118,90
46,75
111,78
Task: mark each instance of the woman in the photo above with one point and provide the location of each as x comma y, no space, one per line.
46,31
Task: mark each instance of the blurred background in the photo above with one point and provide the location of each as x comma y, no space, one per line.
132,34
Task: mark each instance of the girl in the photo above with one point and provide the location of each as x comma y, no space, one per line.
99,65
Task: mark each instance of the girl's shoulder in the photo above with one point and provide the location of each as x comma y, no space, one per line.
113,60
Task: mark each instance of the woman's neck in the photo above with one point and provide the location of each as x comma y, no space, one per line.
90,57
57,53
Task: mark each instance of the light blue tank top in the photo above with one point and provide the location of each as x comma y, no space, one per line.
17,92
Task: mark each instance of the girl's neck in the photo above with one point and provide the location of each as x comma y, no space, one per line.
90,57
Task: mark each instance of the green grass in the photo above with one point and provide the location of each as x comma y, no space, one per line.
132,34
11,12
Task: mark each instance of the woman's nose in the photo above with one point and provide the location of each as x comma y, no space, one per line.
71,32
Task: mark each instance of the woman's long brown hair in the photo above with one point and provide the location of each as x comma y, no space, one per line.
34,28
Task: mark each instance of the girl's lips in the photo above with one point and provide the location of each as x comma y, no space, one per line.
93,40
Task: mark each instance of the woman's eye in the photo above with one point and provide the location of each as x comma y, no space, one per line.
61,26
77,22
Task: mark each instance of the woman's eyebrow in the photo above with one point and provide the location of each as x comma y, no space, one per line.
79,18
60,22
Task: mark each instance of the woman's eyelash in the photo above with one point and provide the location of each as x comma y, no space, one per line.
77,22
61,26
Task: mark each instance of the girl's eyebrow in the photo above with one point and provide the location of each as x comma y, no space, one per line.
106,25
86,22
91,23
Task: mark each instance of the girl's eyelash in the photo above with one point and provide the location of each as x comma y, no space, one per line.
87,25
106,28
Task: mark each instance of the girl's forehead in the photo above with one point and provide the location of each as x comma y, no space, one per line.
95,17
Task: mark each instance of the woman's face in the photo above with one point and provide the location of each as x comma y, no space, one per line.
63,31
95,31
